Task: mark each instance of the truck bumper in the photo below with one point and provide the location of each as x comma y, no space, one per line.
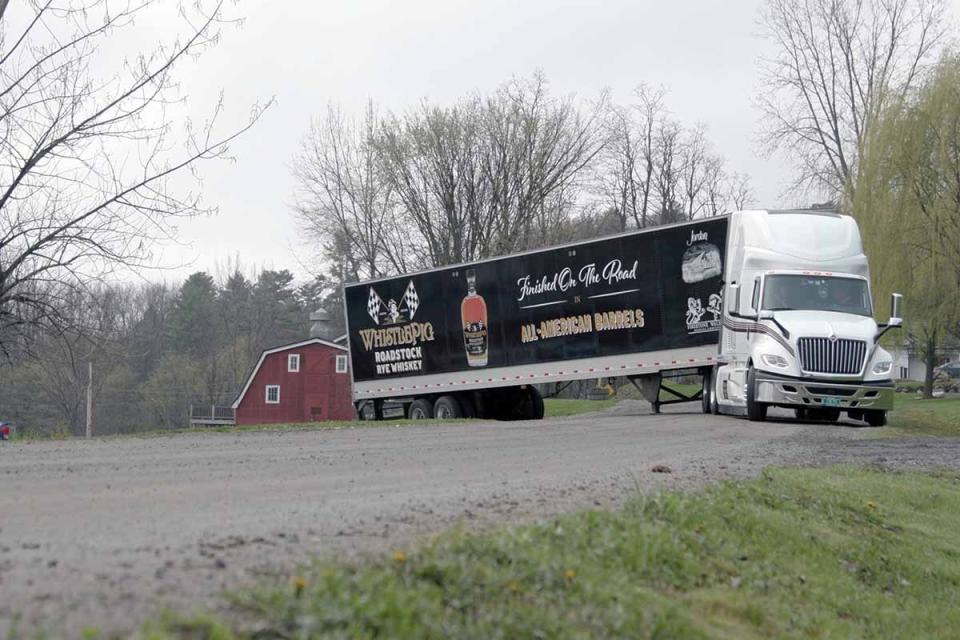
812,393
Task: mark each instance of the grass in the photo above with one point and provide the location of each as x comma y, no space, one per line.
559,407
298,426
916,416
838,552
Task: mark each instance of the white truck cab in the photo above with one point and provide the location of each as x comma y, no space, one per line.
798,328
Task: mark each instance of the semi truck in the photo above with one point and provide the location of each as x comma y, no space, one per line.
765,308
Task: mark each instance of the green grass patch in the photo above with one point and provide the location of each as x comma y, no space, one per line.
839,552
917,416
559,407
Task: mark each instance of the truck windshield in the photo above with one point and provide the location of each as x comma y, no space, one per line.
816,293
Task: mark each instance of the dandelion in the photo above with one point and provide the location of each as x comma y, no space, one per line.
399,557
872,506
514,586
569,574
299,584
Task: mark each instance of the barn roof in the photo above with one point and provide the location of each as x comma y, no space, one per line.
283,347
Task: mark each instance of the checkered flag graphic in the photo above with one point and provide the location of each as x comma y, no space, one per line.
373,306
412,299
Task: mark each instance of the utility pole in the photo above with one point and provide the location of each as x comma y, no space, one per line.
89,399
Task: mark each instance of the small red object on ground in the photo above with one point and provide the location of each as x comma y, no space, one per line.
5,432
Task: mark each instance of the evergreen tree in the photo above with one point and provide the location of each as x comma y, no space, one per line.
193,325
277,316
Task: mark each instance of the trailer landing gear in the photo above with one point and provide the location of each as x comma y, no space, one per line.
652,384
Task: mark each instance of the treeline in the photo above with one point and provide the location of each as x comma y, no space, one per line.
155,349
491,174
516,169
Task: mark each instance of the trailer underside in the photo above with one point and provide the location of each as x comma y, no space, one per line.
506,393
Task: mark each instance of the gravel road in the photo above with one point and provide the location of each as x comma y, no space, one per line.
105,532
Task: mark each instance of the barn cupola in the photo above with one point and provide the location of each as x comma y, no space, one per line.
320,325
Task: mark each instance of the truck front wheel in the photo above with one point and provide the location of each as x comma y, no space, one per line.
707,399
756,411
875,418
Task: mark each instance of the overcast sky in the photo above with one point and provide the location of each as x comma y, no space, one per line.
310,53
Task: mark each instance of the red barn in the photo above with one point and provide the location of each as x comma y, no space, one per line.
301,382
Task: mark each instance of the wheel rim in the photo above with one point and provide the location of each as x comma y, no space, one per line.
443,412
416,414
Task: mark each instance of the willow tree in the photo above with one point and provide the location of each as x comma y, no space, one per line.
910,210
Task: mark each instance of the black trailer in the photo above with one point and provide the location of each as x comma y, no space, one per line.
472,339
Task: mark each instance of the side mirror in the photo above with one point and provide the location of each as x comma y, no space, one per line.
896,309
733,299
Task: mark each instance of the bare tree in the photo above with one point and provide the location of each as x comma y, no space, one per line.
86,161
432,158
443,184
539,149
838,64
697,167
739,192
629,158
668,176
341,188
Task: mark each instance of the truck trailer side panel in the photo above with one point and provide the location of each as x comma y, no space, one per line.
630,304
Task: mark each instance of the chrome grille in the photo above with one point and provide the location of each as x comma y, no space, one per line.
822,355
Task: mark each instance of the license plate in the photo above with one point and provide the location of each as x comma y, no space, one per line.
830,402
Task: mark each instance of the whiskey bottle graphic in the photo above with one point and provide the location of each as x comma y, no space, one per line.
473,313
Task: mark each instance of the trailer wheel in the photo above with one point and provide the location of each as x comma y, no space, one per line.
447,408
875,418
420,409
756,411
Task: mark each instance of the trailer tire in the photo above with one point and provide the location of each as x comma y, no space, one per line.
447,408
756,411
875,418
420,409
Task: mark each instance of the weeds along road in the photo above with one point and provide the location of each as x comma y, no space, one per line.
104,532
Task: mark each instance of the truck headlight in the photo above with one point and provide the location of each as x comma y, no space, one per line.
774,360
882,367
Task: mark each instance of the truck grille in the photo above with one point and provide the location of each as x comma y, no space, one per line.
821,355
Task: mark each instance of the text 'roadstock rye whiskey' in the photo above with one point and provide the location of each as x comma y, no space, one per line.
473,313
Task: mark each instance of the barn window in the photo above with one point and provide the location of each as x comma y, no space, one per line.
341,364
293,362
273,394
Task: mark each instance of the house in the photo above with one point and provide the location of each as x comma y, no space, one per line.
301,382
908,364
